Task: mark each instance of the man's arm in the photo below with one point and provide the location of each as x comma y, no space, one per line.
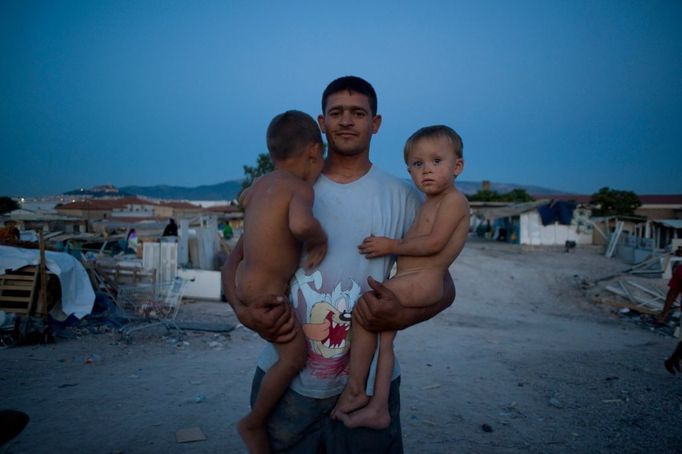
380,309
271,316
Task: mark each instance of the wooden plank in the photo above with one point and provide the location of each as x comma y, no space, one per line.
653,292
614,239
42,296
627,292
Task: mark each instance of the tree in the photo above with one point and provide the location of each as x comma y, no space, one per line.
263,165
517,196
485,195
612,202
8,204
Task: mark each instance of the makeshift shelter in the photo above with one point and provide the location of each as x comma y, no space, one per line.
539,223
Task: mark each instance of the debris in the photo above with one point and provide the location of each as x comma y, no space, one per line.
554,402
199,398
94,358
486,428
189,434
203,326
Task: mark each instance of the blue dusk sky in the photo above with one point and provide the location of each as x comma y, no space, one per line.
570,95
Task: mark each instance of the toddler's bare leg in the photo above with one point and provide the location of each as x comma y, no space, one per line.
363,346
375,415
252,428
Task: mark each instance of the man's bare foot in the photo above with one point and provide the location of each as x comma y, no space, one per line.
371,417
349,401
254,437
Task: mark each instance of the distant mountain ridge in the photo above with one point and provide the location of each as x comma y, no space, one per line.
229,190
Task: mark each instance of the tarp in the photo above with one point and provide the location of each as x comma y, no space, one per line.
557,211
78,296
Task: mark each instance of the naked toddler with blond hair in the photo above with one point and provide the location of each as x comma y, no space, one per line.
434,159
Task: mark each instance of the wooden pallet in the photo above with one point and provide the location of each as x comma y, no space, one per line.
19,290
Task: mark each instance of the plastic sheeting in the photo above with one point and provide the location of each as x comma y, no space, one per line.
78,296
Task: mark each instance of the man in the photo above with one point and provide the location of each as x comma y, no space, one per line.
672,364
353,199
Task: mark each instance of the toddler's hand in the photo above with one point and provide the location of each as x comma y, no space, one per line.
376,246
314,255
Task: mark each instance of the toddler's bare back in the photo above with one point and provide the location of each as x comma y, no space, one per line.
271,252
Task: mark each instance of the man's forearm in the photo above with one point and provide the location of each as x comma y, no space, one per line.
413,315
381,310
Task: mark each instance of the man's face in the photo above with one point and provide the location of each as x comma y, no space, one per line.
348,123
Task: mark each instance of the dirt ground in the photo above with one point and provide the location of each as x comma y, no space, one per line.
523,361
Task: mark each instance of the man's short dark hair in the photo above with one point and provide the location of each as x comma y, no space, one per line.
290,132
351,83
436,132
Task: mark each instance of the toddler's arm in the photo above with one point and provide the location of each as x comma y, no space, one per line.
450,213
306,228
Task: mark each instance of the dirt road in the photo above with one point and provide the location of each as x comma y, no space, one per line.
522,362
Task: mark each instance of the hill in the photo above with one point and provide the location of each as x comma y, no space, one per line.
229,190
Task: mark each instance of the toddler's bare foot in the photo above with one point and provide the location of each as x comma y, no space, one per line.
371,417
254,437
349,401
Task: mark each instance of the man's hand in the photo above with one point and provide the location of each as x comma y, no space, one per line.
270,316
315,253
379,309
376,246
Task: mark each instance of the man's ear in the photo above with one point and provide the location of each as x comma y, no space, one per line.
320,121
376,123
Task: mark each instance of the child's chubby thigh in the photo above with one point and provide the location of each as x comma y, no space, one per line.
253,283
417,287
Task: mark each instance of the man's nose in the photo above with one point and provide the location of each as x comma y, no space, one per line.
347,118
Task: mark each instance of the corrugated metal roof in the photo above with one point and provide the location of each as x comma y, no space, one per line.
672,223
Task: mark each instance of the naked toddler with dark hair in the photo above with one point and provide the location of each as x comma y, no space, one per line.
278,228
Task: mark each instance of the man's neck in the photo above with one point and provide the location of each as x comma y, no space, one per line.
346,169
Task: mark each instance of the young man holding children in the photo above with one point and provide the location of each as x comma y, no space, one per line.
353,200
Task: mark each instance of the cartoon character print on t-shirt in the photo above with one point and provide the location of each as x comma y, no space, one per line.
326,321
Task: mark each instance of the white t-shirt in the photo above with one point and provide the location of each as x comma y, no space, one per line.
376,204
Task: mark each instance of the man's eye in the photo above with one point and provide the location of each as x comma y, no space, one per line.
359,114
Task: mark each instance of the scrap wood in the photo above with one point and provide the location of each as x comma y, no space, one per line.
635,302
189,434
617,302
653,292
614,239
636,269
